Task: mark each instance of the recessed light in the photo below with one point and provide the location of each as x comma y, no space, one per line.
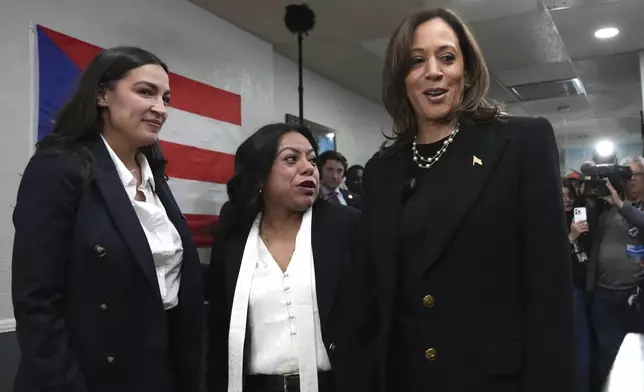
607,32
605,148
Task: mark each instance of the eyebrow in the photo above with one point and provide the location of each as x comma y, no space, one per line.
311,150
152,86
440,48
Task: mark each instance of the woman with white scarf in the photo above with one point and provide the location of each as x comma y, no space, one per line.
281,268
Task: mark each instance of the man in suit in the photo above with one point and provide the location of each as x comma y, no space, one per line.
333,167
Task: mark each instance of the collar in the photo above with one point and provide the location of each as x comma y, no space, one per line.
127,178
328,191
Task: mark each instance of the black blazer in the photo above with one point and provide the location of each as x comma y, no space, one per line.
334,229
492,308
353,199
85,293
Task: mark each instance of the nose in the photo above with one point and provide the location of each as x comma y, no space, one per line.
307,167
160,108
433,70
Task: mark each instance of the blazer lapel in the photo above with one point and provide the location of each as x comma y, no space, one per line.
120,208
234,255
328,252
464,180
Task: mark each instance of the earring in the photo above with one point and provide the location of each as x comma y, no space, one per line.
467,85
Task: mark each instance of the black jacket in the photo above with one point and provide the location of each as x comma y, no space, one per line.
333,233
491,309
86,298
353,199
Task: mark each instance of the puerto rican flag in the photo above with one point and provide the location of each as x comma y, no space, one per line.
199,138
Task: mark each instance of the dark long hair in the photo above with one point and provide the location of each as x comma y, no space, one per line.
80,120
253,162
475,104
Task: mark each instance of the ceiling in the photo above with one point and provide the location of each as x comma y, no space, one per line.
524,42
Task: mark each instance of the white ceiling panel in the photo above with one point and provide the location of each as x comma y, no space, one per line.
377,46
361,21
515,109
578,24
610,73
549,108
559,4
522,41
627,103
498,92
540,73
482,10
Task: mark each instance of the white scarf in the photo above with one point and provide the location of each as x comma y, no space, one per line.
303,305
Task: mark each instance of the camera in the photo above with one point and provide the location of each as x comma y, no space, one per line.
595,184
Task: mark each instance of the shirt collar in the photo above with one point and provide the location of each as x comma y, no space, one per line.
328,191
126,176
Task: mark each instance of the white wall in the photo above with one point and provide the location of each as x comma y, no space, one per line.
195,44
358,122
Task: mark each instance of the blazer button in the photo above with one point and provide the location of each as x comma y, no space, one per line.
110,359
431,354
429,301
100,250
332,347
104,306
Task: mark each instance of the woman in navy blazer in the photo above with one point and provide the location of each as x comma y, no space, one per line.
106,284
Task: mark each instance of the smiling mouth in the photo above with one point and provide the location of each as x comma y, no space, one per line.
153,122
435,92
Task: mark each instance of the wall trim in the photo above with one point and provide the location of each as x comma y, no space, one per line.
7,325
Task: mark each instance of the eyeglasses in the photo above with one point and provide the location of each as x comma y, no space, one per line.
635,175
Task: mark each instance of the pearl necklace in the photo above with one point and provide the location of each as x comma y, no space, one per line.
426,163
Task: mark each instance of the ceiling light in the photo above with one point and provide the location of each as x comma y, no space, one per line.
608,32
605,148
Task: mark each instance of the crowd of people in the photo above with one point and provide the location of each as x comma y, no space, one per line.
607,260
446,265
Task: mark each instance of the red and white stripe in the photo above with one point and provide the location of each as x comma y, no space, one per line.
199,140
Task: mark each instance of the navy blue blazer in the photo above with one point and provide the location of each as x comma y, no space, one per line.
85,293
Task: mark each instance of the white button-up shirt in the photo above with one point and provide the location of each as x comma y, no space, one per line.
273,332
163,238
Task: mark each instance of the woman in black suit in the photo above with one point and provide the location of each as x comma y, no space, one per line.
106,279
465,227
281,265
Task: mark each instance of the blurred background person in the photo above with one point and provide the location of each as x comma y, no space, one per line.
281,265
465,227
333,167
579,260
615,268
354,179
106,279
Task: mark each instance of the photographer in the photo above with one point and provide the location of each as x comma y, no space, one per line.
615,270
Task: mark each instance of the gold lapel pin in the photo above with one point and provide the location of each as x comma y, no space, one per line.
476,161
